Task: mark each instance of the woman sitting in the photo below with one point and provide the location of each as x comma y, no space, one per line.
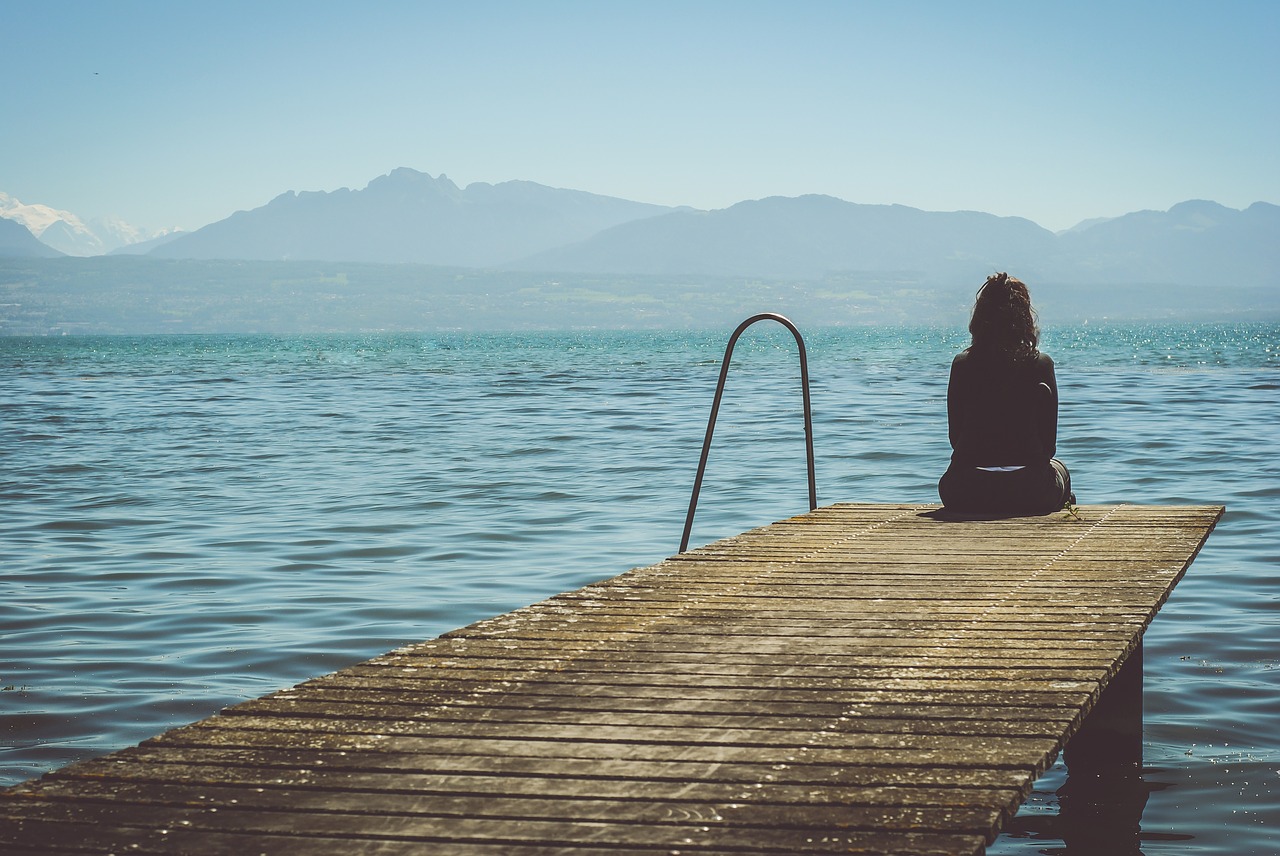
1002,412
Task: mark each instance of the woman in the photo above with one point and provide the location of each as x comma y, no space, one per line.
1002,412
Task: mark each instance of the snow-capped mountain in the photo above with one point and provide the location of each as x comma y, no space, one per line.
67,233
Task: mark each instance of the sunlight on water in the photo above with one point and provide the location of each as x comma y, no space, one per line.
193,521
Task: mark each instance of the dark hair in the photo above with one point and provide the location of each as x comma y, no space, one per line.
1003,321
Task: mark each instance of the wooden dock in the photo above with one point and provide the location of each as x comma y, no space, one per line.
860,679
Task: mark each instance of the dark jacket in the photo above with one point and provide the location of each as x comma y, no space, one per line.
1000,412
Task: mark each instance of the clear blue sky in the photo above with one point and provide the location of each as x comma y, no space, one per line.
178,114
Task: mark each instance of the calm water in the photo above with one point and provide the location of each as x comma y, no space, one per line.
192,521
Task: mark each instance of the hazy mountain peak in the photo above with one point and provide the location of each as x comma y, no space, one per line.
61,230
404,177
67,233
1200,213
1199,206
36,218
410,216
17,240
1084,225
807,200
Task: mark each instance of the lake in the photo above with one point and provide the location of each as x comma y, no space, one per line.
191,521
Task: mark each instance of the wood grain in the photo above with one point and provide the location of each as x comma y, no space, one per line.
859,679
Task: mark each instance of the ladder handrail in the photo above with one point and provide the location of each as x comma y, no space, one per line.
715,408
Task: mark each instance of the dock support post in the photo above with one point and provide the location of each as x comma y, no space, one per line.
1111,735
1100,805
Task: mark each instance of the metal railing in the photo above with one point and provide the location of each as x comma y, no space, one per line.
715,408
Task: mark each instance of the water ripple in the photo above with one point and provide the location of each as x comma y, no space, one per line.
191,521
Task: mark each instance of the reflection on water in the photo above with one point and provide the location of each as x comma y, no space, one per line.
1098,809
193,521
1092,814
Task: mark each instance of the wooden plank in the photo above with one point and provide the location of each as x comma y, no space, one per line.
861,679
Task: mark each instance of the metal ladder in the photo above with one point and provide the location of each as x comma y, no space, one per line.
715,408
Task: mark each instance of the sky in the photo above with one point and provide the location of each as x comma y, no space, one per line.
178,114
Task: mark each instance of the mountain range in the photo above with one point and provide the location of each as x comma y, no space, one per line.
410,217
812,236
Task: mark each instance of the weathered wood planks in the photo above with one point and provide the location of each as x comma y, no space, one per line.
864,678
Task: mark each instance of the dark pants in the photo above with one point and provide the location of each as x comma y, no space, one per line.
1037,489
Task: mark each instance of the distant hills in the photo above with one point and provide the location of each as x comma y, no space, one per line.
415,252
812,236
410,217
1193,243
805,237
